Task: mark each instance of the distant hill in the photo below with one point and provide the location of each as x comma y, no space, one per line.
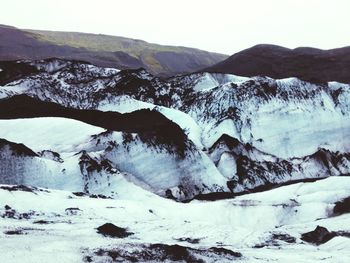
103,50
309,64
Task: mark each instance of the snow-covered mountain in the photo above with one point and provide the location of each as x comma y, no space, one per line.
231,133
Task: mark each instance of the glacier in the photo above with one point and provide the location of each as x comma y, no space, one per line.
286,130
203,167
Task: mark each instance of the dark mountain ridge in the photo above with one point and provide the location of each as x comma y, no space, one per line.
102,50
310,64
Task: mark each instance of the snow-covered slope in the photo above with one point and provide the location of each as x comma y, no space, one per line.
248,167
261,227
297,130
90,159
286,118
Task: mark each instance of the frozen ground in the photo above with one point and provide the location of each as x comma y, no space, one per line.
59,226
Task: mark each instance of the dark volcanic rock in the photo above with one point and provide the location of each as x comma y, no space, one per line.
342,207
111,230
173,252
18,188
151,126
188,240
97,196
14,232
42,222
275,239
162,253
72,211
284,237
12,213
54,156
318,236
100,196
79,194
13,70
225,252
20,231
18,149
9,213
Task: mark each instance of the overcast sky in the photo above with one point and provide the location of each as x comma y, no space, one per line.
225,26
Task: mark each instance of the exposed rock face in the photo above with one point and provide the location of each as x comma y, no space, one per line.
321,235
163,253
342,207
318,236
111,230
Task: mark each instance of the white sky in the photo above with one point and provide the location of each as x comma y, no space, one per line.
225,26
